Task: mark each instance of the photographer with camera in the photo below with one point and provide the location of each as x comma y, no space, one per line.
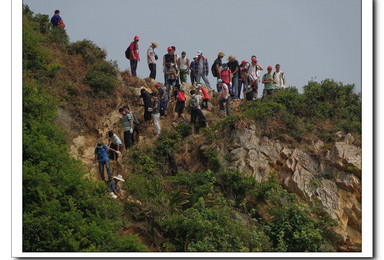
152,57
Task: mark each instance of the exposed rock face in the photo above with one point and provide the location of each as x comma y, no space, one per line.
333,179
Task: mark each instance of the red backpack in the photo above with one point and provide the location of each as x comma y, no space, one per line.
181,96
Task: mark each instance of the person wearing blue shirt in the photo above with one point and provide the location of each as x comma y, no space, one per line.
101,154
56,18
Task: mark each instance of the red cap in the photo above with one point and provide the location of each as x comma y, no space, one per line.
136,38
269,67
244,61
169,48
254,59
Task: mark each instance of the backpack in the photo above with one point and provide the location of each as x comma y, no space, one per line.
193,103
214,70
180,96
128,52
134,119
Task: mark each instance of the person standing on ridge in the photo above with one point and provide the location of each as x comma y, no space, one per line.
201,69
134,54
147,106
226,76
114,143
192,67
151,58
233,65
254,71
156,113
161,96
194,104
183,64
217,65
279,77
171,73
128,126
248,82
167,58
244,65
224,97
204,104
269,83
101,155
56,18
180,103
136,124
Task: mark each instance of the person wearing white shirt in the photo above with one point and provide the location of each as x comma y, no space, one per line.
279,76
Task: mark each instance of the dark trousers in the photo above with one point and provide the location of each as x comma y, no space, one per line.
152,68
127,139
249,96
193,78
113,155
196,112
204,104
101,168
133,67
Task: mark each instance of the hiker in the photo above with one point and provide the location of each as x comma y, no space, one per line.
151,58
269,83
244,65
183,64
163,101
180,103
171,74
101,154
201,69
156,112
128,126
248,82
224,97
167,58
113,187
192,67
134,54
254,71
279,77
136,124
147,106
114,143
225,76
217,65
56,19
194,104
233,65
204,104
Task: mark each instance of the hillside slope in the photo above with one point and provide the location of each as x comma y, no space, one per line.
278,175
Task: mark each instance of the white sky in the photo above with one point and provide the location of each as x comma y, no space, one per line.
311,39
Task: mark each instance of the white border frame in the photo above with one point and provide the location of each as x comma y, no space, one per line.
367,156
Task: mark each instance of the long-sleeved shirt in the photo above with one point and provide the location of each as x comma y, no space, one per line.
205,66
224,93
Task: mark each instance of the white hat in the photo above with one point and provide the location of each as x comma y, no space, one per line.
119,177
199,53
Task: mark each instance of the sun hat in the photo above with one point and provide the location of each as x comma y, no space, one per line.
199,53
231,57
155,44
136,38
119,177
221,54
100,144
269,67
254,59
219,80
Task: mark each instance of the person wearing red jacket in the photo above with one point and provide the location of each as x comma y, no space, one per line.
204,104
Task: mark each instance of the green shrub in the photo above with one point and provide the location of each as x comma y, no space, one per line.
90,51
184,129
101,77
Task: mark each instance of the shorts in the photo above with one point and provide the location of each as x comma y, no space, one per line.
179,107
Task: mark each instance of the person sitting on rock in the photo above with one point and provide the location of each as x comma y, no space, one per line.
114,143
113,187
101,154
204,104
56,18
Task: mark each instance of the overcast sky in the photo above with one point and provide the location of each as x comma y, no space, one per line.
311,39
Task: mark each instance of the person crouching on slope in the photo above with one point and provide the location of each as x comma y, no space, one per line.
194,104
204,104
101,154
113,187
